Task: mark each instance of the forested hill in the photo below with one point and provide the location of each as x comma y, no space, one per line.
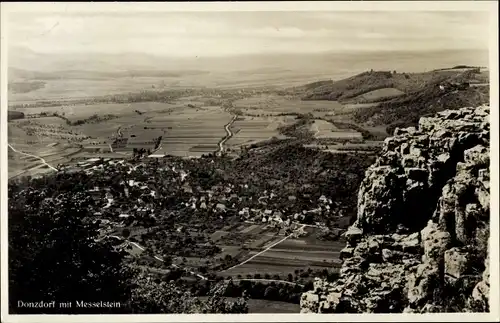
396,98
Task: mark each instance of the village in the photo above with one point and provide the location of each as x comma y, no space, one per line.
219,199
167,206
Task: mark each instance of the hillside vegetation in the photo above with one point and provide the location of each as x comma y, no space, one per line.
399,99
405,110
348,89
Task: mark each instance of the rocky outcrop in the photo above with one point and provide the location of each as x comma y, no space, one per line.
420,241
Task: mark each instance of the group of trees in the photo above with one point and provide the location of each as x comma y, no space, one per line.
273,291
292,169
95,118
140,152
299,129
55,254
153,295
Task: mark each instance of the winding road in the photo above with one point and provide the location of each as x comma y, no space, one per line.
228,136
34,156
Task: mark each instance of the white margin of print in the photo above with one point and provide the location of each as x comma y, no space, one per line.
491,6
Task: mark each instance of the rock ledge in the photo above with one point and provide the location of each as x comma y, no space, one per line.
420,241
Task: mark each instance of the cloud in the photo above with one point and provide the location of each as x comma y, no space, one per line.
231,33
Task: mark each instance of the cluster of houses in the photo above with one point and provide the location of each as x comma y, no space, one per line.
142,186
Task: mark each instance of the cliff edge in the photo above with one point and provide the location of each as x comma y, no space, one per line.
420,241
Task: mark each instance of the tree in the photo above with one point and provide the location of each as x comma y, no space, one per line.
271,293
151,297
126,233
54,255
167,260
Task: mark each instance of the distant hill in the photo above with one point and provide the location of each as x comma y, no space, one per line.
400,99
405,110
346,90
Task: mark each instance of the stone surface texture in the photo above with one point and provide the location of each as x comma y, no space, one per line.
420,240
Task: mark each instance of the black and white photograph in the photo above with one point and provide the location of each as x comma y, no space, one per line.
272,160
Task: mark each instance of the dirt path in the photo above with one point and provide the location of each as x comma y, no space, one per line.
228,136
34,156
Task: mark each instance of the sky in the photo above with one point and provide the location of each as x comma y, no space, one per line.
218,34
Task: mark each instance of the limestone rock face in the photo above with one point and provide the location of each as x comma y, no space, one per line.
420,241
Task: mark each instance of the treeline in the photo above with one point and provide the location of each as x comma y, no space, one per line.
92,119
13,115
299,129
367,135
274,289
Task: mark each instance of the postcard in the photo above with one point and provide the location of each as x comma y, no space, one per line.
249,162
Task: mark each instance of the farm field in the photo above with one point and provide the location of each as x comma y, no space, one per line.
74,88
82,111
247,129
287,256
276,266
186,131
191,131
274,105
21,164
